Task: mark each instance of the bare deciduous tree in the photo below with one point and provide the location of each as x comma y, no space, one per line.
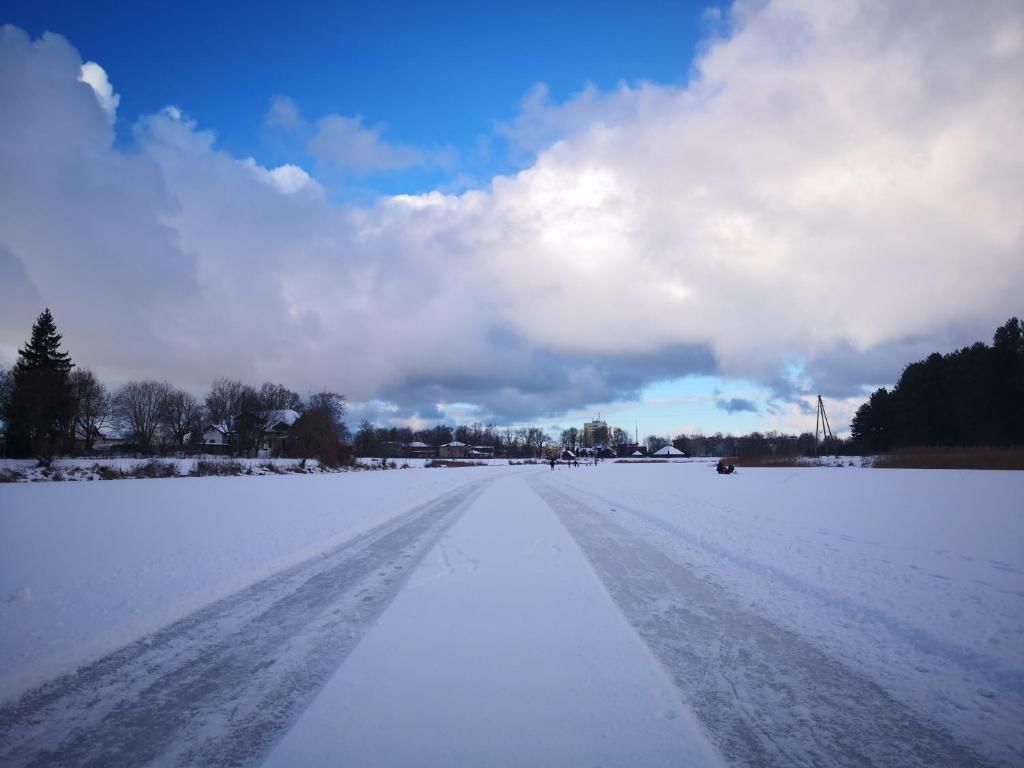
536,438
277,397
224,399
92,406
621,437
139,406
570,438
655,443
181,415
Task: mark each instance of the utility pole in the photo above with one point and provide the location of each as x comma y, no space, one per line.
821,423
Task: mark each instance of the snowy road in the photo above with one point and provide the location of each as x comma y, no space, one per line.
218,687
504,649
766,696
518,616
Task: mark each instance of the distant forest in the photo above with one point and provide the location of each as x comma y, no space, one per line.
971,397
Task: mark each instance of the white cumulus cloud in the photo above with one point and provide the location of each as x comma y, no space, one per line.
835,191
287,178
96,77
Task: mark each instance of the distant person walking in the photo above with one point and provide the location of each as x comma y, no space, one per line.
552,460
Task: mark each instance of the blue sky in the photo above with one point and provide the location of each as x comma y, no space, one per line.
432,74
685,216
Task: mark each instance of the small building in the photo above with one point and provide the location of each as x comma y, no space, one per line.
278,427
453,450
418,450
217,434
108,438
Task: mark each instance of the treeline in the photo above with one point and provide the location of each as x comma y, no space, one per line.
971,397
755,444
506,442
51,407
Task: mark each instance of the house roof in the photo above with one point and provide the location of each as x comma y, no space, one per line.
668,450
454,444
108,432
418,444
636,453
286,416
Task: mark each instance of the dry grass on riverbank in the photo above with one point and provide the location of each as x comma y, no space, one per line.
767,461
953,458
797,461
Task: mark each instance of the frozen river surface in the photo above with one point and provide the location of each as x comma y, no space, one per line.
610,615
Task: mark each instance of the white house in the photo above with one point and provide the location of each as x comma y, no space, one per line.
216,434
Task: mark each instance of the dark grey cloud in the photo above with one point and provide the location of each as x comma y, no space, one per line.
845,371
736,405
520,383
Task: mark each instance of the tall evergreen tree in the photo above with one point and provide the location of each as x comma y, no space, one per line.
972,396
1008,354
874,424
41,408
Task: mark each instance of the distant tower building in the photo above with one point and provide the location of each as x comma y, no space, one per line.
595,433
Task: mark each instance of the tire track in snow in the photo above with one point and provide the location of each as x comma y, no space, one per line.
766,696
219,687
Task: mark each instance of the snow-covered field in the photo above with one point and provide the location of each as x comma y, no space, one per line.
623,614
87,567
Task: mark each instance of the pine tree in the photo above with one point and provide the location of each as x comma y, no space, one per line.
41,407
